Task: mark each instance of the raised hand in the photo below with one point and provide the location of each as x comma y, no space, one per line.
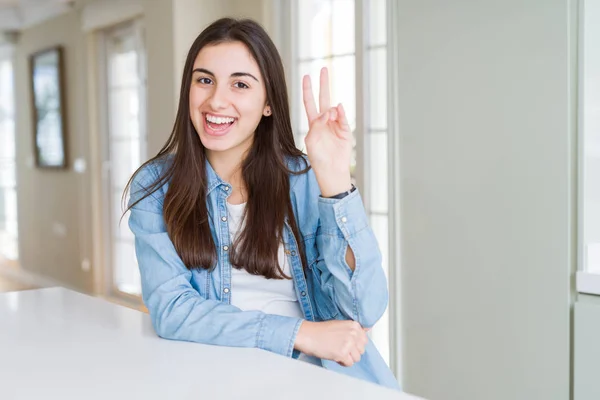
329,139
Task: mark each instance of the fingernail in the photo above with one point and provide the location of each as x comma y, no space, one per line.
333,114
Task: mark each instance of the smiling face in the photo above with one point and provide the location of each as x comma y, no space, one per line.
227,98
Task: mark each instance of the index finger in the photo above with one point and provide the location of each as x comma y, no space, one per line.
309,99
324,90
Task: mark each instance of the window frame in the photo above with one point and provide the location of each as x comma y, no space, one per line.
285,36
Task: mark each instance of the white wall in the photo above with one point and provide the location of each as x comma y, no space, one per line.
190,17
486,188
586,351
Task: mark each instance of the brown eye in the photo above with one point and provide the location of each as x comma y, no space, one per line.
241,85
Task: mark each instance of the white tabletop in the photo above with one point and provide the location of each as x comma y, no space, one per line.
59,344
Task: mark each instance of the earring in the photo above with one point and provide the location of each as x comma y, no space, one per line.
268,112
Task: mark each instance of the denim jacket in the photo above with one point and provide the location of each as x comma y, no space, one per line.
195,305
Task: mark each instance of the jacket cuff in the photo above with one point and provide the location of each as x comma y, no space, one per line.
278,334
343,217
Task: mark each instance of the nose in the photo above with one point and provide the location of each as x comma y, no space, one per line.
219,99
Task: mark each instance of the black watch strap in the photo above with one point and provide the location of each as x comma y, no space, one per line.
343,194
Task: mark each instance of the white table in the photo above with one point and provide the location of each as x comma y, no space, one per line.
59,344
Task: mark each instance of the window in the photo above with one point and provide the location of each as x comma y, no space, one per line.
8,192
591,136
588,279
124,148
349,37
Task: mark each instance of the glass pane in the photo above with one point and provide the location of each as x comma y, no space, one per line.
591,135
8,223
381,331
7,105
8,194
379,224
325,27
592,255
342,78
7,137
125,159
314,26
377,22
121,229
342,30
123,61
377,90
378,172
124,112
127,275
3,205
7,172
8,246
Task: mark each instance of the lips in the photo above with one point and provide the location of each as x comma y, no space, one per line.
217,129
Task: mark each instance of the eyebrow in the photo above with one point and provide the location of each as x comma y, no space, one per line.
233,75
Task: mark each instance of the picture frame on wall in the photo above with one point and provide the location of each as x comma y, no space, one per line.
48,108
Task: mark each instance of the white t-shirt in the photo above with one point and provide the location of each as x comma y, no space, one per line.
255,292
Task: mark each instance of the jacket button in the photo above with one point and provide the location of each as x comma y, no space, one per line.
226,188
293,253
226,290
303,293
344,219
225,248
224,219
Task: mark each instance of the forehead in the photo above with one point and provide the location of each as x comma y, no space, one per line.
226,58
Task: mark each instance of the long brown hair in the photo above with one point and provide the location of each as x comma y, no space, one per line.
265,171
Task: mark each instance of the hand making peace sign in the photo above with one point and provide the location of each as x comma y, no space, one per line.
329,139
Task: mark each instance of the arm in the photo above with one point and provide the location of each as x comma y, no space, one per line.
350,261
360,293
177,310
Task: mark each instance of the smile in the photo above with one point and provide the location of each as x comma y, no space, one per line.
217,125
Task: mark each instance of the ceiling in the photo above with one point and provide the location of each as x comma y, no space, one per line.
16,15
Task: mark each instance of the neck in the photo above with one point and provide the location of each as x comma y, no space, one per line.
228,166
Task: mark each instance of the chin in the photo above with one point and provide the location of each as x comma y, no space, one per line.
214,145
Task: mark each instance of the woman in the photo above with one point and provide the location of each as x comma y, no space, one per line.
242,241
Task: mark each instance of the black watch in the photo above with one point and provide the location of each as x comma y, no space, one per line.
343,194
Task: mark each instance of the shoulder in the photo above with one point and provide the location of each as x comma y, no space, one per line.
304,188
302,177
145,178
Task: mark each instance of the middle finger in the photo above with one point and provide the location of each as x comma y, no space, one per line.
324,90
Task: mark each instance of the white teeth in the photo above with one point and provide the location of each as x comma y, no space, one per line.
219,120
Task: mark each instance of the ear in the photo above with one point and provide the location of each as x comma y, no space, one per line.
267,111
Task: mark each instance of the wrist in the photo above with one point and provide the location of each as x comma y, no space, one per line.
333,182
332,187
301,341
341,195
